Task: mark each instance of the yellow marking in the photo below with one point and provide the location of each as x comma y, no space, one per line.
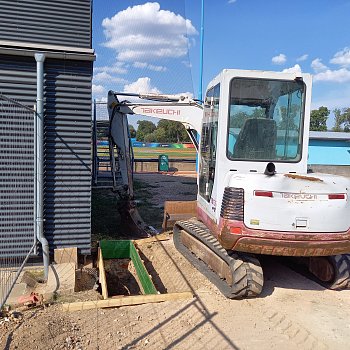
254,222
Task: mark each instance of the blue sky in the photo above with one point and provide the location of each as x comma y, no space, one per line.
154,46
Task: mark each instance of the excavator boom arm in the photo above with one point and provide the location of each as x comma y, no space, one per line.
171,107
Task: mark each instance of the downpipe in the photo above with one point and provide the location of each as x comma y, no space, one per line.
39,163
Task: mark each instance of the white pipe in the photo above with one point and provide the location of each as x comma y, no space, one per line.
39,202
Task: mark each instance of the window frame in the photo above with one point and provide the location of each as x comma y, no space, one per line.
213,89
301,135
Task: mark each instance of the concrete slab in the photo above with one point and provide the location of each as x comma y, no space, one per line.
19,289
61,280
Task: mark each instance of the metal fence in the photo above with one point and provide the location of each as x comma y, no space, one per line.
17,191
102,175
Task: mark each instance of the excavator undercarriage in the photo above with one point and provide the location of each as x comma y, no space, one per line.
235,275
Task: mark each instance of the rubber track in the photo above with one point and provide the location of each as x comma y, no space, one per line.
341,265
246,271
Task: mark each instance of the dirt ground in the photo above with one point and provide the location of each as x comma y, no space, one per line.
292,312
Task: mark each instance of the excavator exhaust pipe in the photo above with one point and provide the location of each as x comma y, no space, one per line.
270,169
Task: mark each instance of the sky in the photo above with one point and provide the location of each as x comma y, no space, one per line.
155,46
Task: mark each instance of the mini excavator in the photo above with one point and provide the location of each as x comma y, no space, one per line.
255,195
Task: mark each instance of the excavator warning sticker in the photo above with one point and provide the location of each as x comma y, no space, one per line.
254,222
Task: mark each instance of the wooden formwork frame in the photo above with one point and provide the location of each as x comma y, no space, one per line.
119,250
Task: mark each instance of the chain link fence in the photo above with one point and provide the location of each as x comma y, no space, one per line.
17,191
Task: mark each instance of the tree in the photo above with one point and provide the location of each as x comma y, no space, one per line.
341,119
145,127
258,112
166,131
318,121
159,135
174,131
238,120
337,120
132,131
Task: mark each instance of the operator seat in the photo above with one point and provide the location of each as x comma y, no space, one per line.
256,140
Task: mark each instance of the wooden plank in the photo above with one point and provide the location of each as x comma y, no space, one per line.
126,301
102,274
157,238
180,207
208,256
66,255
173,208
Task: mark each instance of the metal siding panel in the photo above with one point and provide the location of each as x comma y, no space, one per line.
18,78
68,154
67,145
55,22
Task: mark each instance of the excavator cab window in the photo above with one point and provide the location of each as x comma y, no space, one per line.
208,145
266,120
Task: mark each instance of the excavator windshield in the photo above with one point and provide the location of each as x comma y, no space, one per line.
265,120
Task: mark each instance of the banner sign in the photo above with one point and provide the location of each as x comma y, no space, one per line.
152,145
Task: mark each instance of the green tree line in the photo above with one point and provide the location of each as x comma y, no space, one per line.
174,132
165,131
319,117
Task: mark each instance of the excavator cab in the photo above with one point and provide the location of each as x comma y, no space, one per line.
251,119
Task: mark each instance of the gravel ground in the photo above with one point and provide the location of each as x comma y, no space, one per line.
169,188
293,312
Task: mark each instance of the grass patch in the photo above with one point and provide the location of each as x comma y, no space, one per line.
106,222
151,214
194,182
105,218
154,152
173,153
187,193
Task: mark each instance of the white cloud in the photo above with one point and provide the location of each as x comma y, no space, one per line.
106,77
144,65
324,73
231,1
341,75
280,59
295,69
101,100
342,57
145,32
187,64
117,68
302,58
98,89
141,86
318,66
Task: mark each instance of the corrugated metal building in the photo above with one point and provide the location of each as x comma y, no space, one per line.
60,29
